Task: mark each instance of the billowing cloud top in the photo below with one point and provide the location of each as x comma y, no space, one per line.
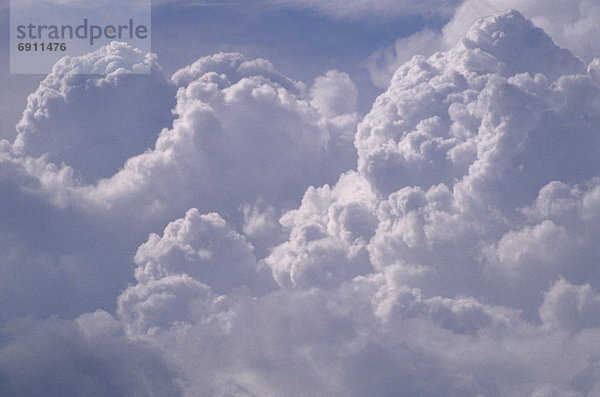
220,144
571,24
63,115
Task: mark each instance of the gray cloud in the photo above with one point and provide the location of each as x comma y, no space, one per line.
73,358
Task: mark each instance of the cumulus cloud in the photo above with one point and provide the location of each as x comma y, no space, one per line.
53,260
328,235
162,303
560,238
334,94
571,307
471,244
285,342
261,226
219,146
445,114
371,333
96,170
451,262
462,142
202,246
382,64
571,25
458,258
63,115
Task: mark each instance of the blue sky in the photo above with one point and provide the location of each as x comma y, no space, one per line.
301,43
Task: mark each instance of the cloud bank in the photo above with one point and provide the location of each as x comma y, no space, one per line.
444,244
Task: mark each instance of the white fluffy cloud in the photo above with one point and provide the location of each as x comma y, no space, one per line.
461,142
451,262
382,64
459,258
372,334
472,245
202,246
452,114
571,307
328,235
243,134
334,94
571,24
220,151
63,115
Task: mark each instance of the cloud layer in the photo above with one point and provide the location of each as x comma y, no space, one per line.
444,244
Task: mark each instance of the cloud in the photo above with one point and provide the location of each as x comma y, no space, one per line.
334,94
384,62
328,235
163,303
560,238
202,246
450,248
571,26
457,258
405,137
93,184
571,307
461,142
83,357
284,341
63,115
261,226
469,202
371,333
219,153
56,261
